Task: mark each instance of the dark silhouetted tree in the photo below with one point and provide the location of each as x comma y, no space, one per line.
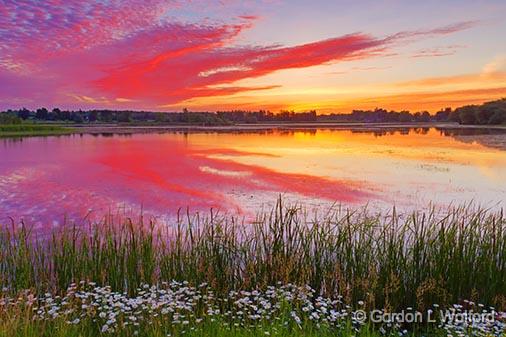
467,114
41,114
24,113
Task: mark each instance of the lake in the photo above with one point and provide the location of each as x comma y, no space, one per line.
45,180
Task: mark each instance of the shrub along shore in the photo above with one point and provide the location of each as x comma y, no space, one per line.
27,129
382,261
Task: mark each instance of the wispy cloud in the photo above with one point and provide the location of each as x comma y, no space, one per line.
438,51
444,30
497,65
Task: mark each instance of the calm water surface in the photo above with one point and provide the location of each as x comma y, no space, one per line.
44,180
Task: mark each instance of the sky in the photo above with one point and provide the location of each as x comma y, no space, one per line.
330,56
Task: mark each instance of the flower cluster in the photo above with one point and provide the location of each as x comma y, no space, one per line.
179,307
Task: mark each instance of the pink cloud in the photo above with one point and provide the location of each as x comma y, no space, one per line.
180,76
55,51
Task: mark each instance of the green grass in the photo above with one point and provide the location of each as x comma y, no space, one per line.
388,261
28,328
26,129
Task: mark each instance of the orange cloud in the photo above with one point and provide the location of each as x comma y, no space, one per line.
479,79
429,100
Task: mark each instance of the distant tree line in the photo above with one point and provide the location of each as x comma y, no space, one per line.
114,116
239,116
489,113
384,116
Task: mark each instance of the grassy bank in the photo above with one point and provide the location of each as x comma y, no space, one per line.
26,130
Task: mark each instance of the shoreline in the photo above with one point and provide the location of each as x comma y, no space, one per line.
130,129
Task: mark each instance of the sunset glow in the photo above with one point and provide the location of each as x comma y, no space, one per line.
225,55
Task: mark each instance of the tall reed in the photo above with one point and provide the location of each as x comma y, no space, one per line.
389,261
